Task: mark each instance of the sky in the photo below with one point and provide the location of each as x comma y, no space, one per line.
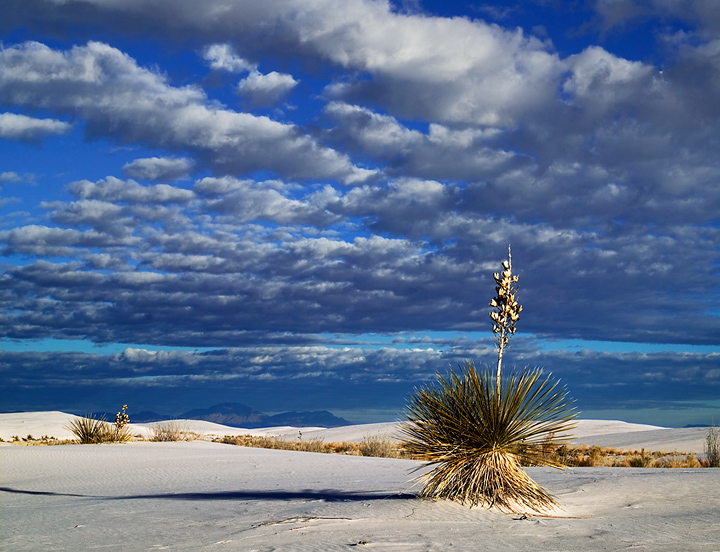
300,204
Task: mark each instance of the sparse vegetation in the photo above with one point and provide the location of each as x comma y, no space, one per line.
91,430
584,456
477,430
172,431
370,446
380,447
712,447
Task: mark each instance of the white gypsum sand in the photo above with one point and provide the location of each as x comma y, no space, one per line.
207,496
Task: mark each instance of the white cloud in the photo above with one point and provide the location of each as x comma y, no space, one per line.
248,200
262,90
450,70
442,152
20,127
600,80
222,57
116,190
159,168
10,176
87,79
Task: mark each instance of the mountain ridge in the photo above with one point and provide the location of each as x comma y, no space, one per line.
238,415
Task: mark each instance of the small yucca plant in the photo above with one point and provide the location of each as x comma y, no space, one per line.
90,430
477,433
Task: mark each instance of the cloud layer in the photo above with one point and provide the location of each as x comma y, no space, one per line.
368,179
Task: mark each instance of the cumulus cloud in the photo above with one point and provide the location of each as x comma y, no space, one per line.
260,201
452,70
10,176
264,90
85,79
20,127
159,168
116,190
222,57
442,152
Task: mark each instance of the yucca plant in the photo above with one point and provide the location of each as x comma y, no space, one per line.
477,433
90,430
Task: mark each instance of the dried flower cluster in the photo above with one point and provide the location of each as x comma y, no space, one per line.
507,311
121,419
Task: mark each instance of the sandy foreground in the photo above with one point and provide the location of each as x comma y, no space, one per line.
201,495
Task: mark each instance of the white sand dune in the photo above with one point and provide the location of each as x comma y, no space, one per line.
605,433
54,424
208,496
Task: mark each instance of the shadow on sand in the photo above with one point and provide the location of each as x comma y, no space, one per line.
327,495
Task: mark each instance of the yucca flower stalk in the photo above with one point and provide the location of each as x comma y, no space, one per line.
476,434
507,310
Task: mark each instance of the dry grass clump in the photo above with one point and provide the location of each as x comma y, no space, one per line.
584,456
172,431
270,442
712,447
45,440
378,447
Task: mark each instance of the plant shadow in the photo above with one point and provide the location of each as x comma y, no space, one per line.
326,495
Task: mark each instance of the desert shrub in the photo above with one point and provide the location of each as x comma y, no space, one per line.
712,447
641,460
270,442
379,447
343,448
311,445
167,431
692,462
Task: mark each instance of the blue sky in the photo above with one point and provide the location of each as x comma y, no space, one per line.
299,205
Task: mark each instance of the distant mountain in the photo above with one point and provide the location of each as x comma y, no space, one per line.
139,418
234,415
230,414
147,416
240,415
318,418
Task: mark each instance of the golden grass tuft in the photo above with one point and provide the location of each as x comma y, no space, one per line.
172,431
